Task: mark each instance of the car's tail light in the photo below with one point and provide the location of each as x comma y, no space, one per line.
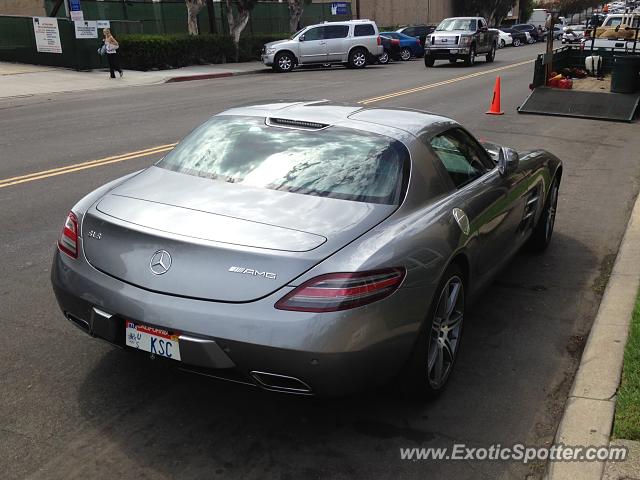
68,242
379,40
395,41
340,291
418,41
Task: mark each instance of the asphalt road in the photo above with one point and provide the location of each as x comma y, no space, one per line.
74,407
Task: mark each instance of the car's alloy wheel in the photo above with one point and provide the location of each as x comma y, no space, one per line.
492,54
431,362
550,219
542,232
384,58
283,62
445,332
405,54
503,44
516,42
471,58
358,59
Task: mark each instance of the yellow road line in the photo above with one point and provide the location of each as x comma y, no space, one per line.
85,165
439,84
7,182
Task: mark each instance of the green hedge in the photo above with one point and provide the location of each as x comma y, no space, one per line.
145,52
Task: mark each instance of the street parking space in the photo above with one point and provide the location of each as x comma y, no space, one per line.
80,408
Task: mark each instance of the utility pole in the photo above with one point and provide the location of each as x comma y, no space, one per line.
358,9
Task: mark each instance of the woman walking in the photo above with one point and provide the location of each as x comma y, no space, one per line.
112,46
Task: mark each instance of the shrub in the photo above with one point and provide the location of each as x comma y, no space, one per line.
145,52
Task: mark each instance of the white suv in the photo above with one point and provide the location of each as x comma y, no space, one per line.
354,43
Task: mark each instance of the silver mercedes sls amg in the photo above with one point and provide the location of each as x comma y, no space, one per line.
305,247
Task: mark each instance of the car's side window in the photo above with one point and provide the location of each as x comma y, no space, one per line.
336,31
411,31
460,156
314,34
481,24
364,30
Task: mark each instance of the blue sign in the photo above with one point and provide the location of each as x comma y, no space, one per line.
339,8
74,5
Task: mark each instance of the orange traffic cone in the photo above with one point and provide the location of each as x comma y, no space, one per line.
495,103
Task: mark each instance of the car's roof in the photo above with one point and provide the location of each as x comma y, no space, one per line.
332,113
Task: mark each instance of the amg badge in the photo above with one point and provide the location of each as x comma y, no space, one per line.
254,272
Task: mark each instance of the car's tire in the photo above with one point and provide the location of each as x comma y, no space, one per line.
531,41
284,62
491,56
405,54
470,59
357,58
429,367
542,232
502,44
429,61
516,42
383,59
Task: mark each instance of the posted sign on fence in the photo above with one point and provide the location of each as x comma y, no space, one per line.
339,8
47,35
86,29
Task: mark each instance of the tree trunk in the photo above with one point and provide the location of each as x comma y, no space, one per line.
295,13
193,8
237,24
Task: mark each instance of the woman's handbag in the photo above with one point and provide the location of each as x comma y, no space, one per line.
102,51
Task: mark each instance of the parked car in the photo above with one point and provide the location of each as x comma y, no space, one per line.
531,30
504,38
305,247
353,43
519,38
420,31
558,30
573,34
391,50
409,46
461,38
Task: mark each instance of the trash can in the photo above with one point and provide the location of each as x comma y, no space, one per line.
625,75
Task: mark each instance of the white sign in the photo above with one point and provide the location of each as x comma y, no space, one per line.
77,16
86,29
104,24
47,35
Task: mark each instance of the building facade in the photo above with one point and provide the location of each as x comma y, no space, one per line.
22,7
403,12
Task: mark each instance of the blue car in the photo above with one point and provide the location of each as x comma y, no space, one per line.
409,46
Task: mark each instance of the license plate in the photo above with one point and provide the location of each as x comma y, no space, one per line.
453,51
153,340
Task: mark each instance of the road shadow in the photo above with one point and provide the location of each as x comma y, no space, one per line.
519,343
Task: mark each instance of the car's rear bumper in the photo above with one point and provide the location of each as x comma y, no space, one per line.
332,354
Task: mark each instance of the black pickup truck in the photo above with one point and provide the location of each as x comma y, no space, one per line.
461,38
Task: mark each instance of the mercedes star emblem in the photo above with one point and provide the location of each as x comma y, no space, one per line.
160,262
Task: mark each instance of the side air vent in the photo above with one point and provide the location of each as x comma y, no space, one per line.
286,123
530,208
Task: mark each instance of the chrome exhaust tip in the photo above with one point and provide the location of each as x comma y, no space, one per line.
281,383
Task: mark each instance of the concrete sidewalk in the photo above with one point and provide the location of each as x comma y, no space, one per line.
20,80
590,409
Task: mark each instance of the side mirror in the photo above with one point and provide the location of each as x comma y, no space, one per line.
301,38
508,160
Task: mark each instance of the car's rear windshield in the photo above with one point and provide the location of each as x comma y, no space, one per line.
332,162
452,24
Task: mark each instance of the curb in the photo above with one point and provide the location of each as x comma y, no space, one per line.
208,76
589,412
